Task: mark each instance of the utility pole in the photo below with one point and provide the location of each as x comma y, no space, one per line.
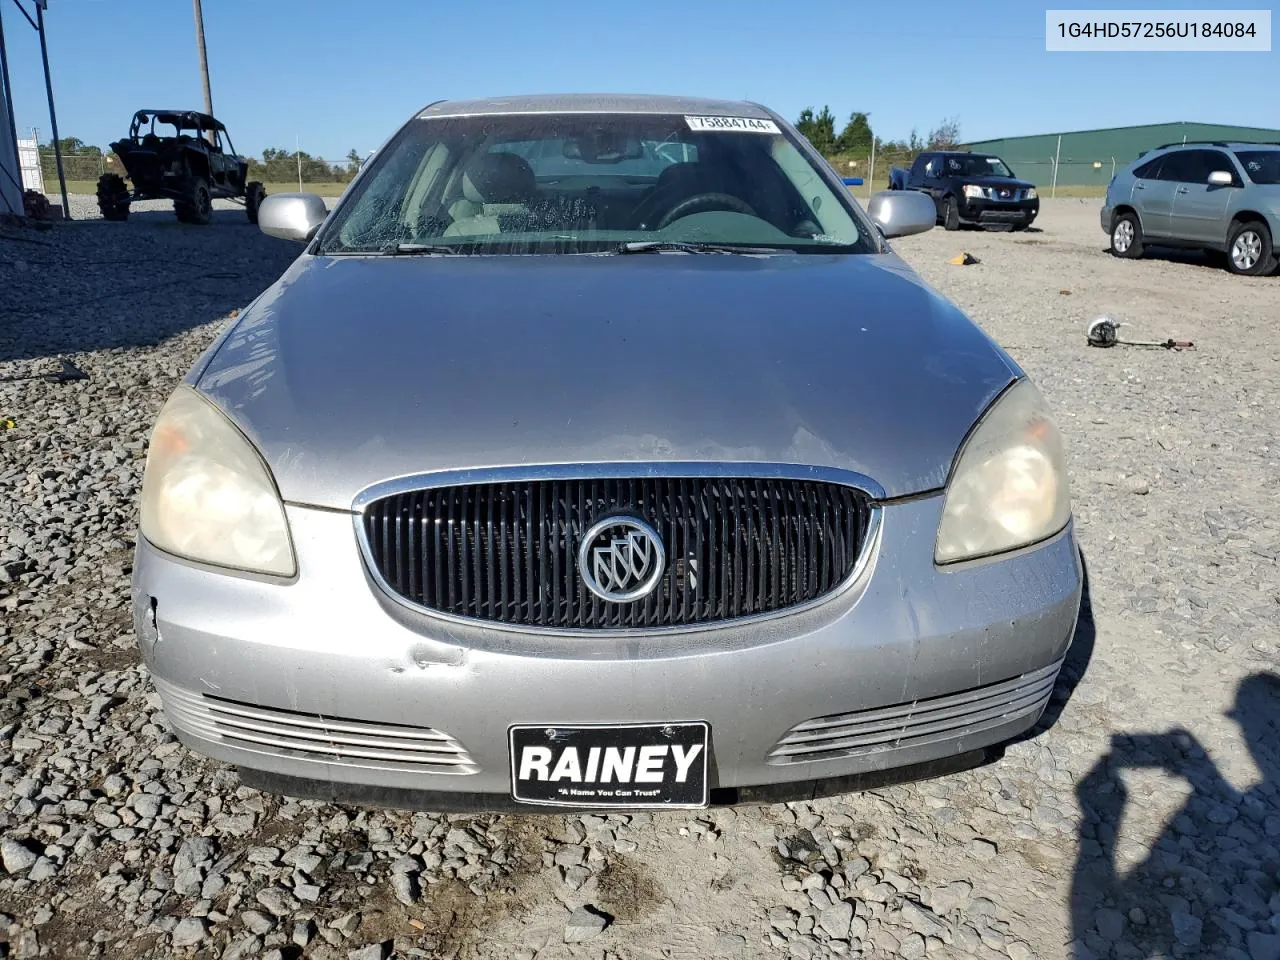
1053,191
871,174
204,59
53,116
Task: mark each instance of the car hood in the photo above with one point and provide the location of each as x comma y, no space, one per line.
354,370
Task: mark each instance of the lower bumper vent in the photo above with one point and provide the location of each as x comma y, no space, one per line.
304,736
918,723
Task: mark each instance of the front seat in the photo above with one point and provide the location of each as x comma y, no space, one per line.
494,186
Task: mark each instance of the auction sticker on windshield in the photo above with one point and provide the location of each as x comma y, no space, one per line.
628,765
740,124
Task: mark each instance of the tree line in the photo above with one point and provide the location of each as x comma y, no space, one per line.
857,138
280,165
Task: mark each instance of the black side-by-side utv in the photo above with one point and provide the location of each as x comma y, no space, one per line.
190,166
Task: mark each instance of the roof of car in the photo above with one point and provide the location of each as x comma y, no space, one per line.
168,116
596,103
1229,144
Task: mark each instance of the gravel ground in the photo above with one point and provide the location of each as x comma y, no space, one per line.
1141,819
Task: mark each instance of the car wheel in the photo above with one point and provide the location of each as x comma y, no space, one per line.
951,215
254,194
113,197
1126,236
197,207
1249,249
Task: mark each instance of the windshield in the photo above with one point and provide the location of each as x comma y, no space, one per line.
1262,166
587,183
170,126
975,165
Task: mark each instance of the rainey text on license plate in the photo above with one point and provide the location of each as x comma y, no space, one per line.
569,770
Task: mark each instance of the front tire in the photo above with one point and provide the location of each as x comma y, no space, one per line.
113,197
197,208
254,194
1126,236
951,215
1249,249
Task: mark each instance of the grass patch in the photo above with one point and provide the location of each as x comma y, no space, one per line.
1085,190
324,189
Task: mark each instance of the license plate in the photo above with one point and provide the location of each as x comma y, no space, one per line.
627,765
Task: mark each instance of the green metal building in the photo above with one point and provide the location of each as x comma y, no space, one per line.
1087,158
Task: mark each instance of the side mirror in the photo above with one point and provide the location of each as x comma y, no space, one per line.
900,213
1220,178
292,216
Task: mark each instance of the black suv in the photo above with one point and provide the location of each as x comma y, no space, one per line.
970,188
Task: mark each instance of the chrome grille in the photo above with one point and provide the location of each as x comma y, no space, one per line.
304,736
507,552
917,723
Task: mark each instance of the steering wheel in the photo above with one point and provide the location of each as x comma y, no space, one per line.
703,202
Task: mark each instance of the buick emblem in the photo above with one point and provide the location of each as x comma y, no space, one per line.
621,559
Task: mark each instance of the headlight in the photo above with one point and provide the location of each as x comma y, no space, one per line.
974,192
1032,195
1009,485
207,495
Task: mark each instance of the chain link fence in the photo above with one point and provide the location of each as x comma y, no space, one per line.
873,169
279,172
1073,177
1068,176
284,172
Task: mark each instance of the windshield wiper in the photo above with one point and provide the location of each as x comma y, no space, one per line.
422,249
685,246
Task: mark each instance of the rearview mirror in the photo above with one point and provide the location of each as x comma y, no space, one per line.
1220,178
292,216
602,146
900,213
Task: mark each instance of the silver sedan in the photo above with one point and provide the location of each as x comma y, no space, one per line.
599,452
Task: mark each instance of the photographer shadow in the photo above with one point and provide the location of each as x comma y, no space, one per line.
1207,886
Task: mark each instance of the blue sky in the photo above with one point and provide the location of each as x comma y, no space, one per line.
339,75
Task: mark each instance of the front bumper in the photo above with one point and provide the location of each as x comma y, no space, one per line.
1018,213
1104,218
327,680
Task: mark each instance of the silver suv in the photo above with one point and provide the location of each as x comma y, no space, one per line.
1216,196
